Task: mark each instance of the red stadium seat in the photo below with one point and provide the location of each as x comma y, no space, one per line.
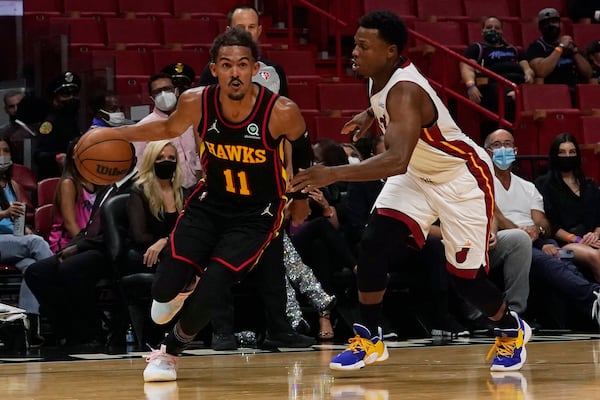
125,33
43,7
347,98
131,68
87,8
590,129
195,8
148,8
197,59
46,190
529,33
448,33
528,10
304,94
189,33
479,9
441,10
584,34
42,220
330,127
402,8
84,33
587,98
294,62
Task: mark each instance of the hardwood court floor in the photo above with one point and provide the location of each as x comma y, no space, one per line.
557,368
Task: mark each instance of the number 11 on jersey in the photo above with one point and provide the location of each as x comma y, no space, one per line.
242,182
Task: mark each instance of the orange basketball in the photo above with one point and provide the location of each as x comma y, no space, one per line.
102,159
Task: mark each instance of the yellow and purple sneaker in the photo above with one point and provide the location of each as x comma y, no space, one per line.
363,350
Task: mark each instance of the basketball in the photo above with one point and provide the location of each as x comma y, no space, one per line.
102,159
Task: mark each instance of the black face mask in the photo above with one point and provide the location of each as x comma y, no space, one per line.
70,106
550,33
566,164
492,36
165,169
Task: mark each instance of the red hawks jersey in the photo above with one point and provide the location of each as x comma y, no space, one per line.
242,162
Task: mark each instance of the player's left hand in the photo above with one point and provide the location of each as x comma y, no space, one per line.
314,177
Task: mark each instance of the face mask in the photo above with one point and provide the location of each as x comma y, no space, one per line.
5,163
492,36
550,33
165,101
115,117
165,169
503,157
566,164
70,106
353,160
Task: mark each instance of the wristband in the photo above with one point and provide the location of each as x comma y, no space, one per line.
470,84
578,239
571,238
558,49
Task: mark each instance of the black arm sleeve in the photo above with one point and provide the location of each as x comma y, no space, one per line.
302,154
139,228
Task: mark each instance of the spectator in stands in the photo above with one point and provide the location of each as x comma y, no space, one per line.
584,11
571,203
72,204
495,54
60,126
107,111
65,283
155,202
555,58
12,98
164,94
182,75
20,250
592,53
270,75
520,205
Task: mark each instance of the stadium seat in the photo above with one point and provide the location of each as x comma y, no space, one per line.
84,34
87,8
330,127
478,9
131,68
42,220
440,10
46,190
148,8
125,33
587,99
448,33
584,34
402,8
304,94
195,8
590,129
43,7
294,62
189,33
344,98
197,59
529,34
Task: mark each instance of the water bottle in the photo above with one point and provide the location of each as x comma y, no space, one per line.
19,222
129,338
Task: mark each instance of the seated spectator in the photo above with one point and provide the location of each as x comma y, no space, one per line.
20,250
593,56
555,58
495,54
72,204
65,284
155,202
571,203
520,205
106,109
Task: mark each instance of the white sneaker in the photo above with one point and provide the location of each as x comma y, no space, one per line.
596,308
162,366
163,313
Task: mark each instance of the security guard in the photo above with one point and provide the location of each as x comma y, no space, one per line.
182,75
60,126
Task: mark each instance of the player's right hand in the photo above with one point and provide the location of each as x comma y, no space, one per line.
358,126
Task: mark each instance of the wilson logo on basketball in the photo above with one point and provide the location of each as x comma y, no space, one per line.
104,170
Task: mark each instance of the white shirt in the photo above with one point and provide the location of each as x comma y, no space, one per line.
517,202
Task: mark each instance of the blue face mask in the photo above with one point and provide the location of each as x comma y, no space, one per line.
503,157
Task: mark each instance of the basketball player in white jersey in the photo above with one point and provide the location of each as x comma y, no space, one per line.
434,171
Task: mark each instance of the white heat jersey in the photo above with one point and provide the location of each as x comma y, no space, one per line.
442,149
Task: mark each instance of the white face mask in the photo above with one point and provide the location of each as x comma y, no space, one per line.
353,160
165,101
115,117
5,162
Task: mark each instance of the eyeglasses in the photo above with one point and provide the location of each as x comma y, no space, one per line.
157,91
498,144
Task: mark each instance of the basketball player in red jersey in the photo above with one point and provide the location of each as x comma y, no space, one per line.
237,208
433,171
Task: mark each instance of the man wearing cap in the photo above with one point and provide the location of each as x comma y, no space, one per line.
182,75
60,126
555,58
